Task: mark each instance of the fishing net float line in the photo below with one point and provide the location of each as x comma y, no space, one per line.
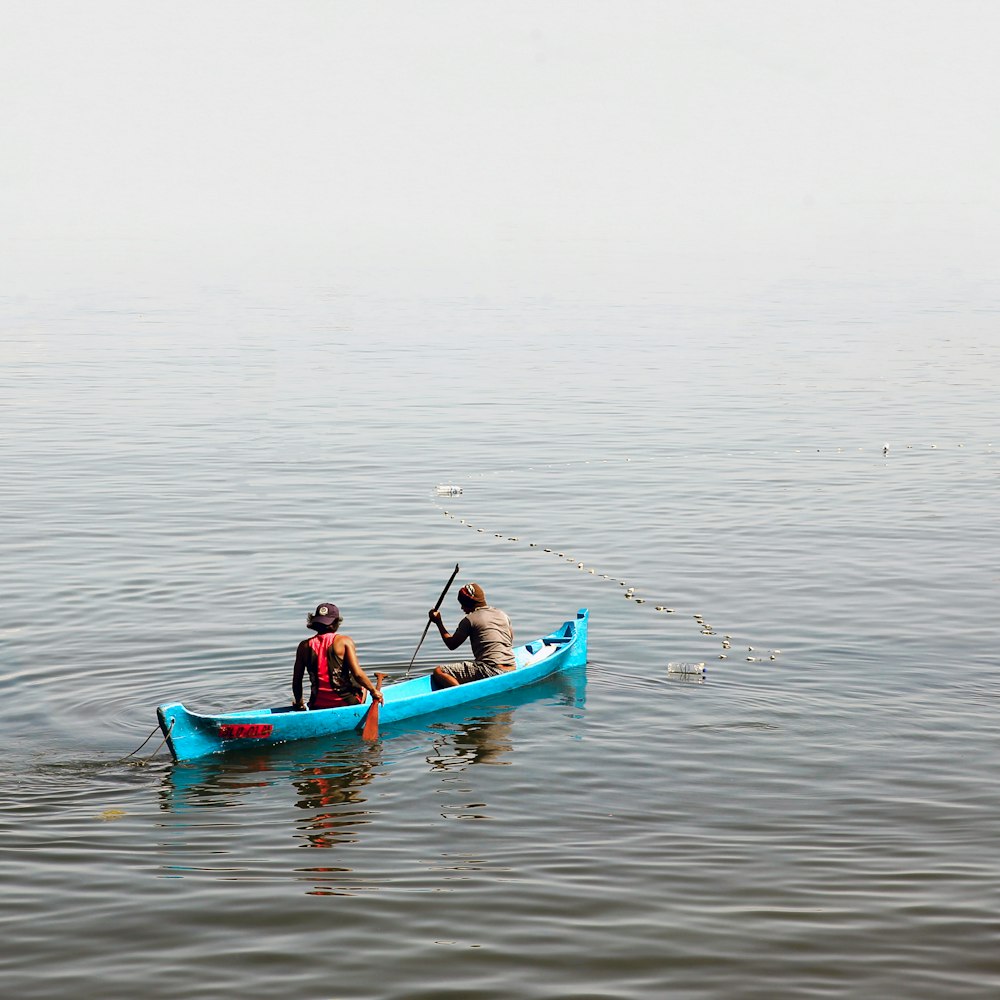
755,653
630,594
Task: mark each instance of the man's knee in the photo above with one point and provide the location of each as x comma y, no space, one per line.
440,679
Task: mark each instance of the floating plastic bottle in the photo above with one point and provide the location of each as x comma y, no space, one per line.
448,490
686,668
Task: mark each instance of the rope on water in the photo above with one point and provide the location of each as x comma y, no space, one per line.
141,745
146,760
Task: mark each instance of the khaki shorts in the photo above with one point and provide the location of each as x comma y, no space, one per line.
472,670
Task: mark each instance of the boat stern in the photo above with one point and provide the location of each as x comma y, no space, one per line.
185,737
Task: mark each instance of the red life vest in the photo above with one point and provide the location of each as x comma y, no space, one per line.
332,684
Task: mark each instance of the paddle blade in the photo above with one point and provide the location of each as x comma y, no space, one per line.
370,729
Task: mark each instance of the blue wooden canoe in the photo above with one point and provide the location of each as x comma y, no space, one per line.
190,735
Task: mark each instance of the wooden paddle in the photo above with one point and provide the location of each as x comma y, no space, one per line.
370,730
444,593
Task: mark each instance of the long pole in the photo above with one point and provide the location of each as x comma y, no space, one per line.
444,593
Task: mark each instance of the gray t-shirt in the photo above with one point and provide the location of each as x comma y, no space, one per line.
490,633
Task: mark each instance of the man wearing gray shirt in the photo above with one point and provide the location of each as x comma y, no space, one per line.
488,631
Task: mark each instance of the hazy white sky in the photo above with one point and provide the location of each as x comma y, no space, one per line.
495,138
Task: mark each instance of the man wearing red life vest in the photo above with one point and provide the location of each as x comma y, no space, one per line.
331,660
489,633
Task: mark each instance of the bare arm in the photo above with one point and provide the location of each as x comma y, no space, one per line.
450,640
297,674
349,655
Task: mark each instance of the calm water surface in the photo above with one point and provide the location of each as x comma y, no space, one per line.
183,478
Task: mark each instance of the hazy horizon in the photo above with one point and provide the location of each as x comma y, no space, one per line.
487,146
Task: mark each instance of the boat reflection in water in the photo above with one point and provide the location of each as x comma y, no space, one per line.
330,792
485,740
332,802
218,782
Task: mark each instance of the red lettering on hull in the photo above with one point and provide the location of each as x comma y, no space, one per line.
245,731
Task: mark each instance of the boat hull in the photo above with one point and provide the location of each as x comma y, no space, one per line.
190,735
